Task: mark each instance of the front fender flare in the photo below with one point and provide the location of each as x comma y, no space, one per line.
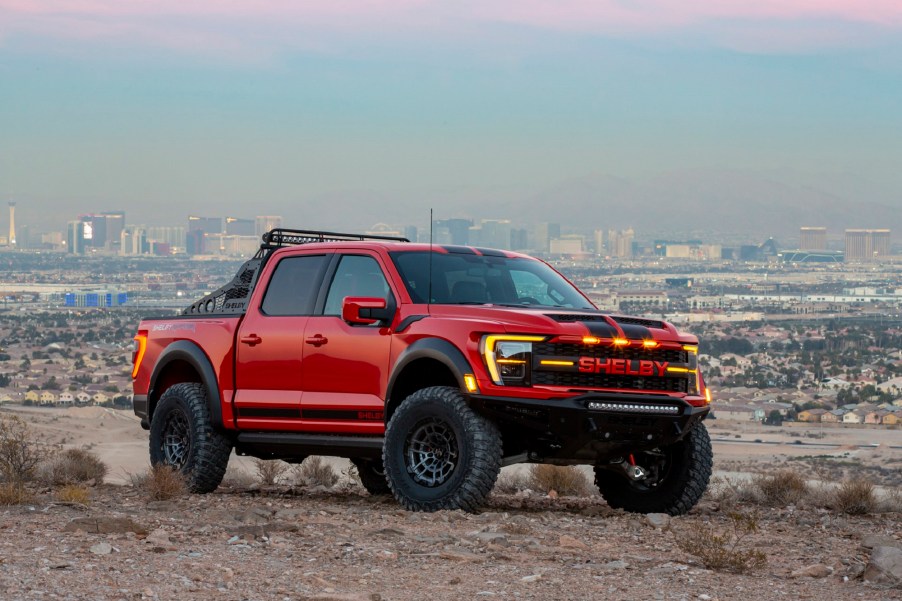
431,348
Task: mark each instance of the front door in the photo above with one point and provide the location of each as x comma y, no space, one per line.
346,366
270,346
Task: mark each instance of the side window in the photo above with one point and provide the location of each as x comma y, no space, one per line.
293,286
532,288
356,276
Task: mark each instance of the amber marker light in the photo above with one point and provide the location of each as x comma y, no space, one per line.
470,383
650,343
140,347
708,395
556,363
620,342
690,348
591,340
679,370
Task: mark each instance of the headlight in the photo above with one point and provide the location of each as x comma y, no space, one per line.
508,357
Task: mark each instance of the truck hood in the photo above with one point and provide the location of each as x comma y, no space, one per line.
559,321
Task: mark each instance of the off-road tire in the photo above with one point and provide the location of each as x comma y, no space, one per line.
372,475
182,436
437,421
678,490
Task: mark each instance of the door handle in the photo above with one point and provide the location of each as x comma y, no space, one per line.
251,340
317,340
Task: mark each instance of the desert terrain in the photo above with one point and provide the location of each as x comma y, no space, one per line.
282,541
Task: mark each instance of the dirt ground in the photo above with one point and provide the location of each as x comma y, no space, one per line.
251,542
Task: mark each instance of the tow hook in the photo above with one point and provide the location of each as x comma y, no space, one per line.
634,472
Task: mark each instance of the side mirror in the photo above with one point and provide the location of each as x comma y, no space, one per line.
365,310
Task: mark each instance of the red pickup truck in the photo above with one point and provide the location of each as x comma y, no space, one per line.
430,367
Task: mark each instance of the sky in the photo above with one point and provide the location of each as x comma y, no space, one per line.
345,113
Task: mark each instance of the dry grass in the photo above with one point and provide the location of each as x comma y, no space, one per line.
781,488
509,483
315,472
730,492
73,493
891,501
564,480
161,483
235,477
270,471
14,493
72,466
19,453
724,551
856,497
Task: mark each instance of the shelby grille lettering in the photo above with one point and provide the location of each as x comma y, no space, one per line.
624,367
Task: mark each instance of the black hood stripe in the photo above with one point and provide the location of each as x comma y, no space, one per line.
601,329
634,332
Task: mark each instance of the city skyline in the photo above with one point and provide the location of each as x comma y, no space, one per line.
356,114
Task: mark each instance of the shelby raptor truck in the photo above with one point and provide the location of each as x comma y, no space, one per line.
430,368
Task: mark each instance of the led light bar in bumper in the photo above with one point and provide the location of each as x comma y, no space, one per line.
634,407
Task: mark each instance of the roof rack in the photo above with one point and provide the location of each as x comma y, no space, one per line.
280,237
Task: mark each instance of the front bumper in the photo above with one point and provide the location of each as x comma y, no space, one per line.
589,427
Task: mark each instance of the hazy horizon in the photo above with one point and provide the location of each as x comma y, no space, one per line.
345,115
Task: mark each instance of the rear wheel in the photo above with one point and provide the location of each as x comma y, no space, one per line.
439,453
676,477
182,436
372,476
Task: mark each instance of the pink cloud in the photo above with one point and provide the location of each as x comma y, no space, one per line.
269,25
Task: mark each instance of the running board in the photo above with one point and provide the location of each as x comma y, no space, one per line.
287,445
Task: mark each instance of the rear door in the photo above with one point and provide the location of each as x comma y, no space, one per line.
270,345
345,368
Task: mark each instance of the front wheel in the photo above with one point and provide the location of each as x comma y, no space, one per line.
182,436
676,477
439,453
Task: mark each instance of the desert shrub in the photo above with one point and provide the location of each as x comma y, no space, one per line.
315,472
19,453
72,466
161,483
724,551
73,493
509,483
270,471
781,488
565,480
892,500
856,496
237,478
14,493
729,492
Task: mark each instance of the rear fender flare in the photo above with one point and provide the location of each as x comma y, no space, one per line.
193,355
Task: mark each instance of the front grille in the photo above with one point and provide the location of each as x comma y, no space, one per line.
619,382
581,350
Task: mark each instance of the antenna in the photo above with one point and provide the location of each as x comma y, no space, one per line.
429,297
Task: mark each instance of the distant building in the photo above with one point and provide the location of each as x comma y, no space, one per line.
867,245
813,238
75,237
105,298
235,226
620,242
545,233
452,231
265,223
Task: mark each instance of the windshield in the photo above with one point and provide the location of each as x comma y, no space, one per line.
465,279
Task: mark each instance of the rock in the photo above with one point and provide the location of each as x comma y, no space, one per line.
885,567
568,542
704,597
816,570
104,525
873,541
101,549
459,556
658,520
497,538
532,578
614,565
158,537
